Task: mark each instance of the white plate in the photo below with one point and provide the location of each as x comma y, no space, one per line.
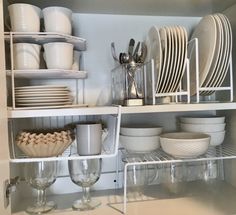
228,52
33,101
177,52
40,99
42,90
227,48
43,104
42,94
183,57
206,32
40,87
166,61
164,47
153,43
215,61
170,72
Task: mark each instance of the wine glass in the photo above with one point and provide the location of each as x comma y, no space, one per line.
41,175
85,173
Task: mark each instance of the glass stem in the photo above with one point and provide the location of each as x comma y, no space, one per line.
41,197
86,194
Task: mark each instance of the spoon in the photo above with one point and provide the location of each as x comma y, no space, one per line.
113,52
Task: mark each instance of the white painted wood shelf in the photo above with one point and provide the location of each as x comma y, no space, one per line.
48,74
46,37
99,110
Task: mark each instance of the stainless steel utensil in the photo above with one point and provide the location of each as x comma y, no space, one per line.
113,52
136,51
131,48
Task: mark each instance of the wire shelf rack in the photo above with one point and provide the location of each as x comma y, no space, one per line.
224,151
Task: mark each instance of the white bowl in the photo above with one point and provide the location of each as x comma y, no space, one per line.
141,132
185,144
205,128
217,138
203,120
140,144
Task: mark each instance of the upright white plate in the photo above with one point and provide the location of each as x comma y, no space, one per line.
214,67
164,47
183,57
177,54
153,43
228,51
206,33
167,71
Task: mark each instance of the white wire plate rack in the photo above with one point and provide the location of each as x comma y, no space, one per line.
46,37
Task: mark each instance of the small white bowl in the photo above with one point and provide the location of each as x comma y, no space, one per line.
185,144
140,132
205,128
203,119
217,138
140,144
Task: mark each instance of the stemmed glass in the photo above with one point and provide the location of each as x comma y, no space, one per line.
85,173
41,175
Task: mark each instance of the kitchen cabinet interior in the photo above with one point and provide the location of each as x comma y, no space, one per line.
100,23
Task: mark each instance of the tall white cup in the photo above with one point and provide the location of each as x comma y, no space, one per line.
58,55
24,17
57,19
89,139
26,55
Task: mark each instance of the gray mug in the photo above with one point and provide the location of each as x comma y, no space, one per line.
89,139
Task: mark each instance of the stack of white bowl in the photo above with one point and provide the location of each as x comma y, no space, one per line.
211,125
140,139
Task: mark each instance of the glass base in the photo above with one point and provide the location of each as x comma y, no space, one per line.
84,206
40,209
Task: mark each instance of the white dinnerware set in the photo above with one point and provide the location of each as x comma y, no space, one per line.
143,139
214,36
57,55
167,46
196,136
214,126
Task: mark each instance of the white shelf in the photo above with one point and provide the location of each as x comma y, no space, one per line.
60,158
46,37
48,73
74,110
178,107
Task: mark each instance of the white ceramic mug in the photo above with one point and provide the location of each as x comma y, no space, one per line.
89,139
24,17
57,19
76,59
26,55
58,55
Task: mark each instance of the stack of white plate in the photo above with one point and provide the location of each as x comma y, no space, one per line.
212,125
43,95
214,35
168,47
140,139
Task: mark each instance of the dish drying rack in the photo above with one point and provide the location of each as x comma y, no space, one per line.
149,91
109,147
224,151
41,38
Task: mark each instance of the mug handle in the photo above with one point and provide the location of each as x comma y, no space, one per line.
7,23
